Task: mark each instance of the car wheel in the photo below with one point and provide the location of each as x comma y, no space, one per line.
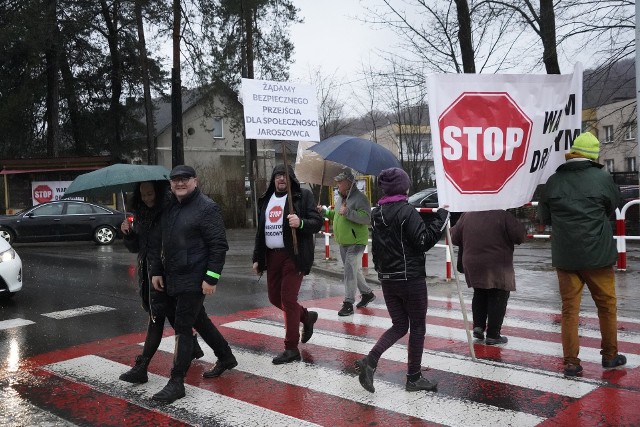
104,235
7,235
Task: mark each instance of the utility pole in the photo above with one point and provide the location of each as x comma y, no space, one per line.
177,148
250,145
637,85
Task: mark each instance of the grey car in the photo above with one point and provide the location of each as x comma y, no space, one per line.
62,220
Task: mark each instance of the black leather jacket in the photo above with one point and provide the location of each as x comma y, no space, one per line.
194,242
400,239
138,241
305,207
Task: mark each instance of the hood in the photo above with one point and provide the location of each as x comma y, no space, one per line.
386,214
578,164
295,184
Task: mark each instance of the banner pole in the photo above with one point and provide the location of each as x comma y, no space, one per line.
462,306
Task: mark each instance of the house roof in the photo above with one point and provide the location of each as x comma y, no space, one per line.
190,98
162,108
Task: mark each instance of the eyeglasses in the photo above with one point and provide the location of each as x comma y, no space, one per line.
180,179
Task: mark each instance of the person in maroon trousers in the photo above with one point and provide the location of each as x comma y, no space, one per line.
285,264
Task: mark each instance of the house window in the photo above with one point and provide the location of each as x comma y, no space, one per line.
608,164
218,127
608,134
629,133
631,164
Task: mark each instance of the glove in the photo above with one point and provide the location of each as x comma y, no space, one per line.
443,215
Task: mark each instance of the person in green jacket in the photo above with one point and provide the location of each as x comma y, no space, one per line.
351,218
577,201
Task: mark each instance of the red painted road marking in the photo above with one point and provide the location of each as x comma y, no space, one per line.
323,408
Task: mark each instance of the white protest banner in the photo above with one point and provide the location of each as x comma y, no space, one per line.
282,111
47,191
496,137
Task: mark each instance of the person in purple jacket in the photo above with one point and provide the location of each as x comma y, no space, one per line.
399,240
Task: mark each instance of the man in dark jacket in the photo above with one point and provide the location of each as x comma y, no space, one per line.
577,202
194,247
284,246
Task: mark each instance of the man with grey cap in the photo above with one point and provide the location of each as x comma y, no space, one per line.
351,218
186,261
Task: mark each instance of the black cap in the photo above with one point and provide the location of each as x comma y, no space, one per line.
182,170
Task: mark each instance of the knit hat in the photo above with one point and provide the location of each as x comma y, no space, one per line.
346,174
394,181
586,145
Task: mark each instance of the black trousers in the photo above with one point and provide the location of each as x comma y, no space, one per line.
190,313
489,307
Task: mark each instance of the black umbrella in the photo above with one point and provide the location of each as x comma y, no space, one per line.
360,154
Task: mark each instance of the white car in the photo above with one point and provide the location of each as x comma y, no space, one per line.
10,270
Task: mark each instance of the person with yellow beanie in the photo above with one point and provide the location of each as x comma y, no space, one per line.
577,201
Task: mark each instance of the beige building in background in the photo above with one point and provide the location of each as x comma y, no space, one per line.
615,127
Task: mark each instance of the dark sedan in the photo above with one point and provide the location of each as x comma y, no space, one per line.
428,198
62,220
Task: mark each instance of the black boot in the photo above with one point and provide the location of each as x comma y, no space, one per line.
137,374
172,391
197,352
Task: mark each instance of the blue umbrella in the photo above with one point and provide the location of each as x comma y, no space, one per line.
360,154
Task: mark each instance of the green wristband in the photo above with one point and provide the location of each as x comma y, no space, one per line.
212,274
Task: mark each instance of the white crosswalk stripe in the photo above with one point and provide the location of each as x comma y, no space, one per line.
213,408
515,322
432,407
65,314
541,310
540,347
484,369
14,323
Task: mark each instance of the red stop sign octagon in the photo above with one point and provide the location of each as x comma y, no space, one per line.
484,138
43,193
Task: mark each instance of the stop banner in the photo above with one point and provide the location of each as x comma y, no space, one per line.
495,137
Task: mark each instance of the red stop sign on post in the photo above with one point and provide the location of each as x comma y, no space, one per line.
43,193
484,138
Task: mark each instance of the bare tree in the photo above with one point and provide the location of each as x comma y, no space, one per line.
331,110
409,122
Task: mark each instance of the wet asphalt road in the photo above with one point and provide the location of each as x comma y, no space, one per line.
72,275
67,276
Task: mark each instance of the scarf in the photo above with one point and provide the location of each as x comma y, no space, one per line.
392,199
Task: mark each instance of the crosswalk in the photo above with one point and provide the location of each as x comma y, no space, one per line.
517,384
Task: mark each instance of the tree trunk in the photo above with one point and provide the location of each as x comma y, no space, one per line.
52,58
115,77
548,35
69,93
144,66
177,152
464,37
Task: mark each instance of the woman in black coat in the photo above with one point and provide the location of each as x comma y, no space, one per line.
147,204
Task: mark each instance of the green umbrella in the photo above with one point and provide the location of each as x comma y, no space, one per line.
118,178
